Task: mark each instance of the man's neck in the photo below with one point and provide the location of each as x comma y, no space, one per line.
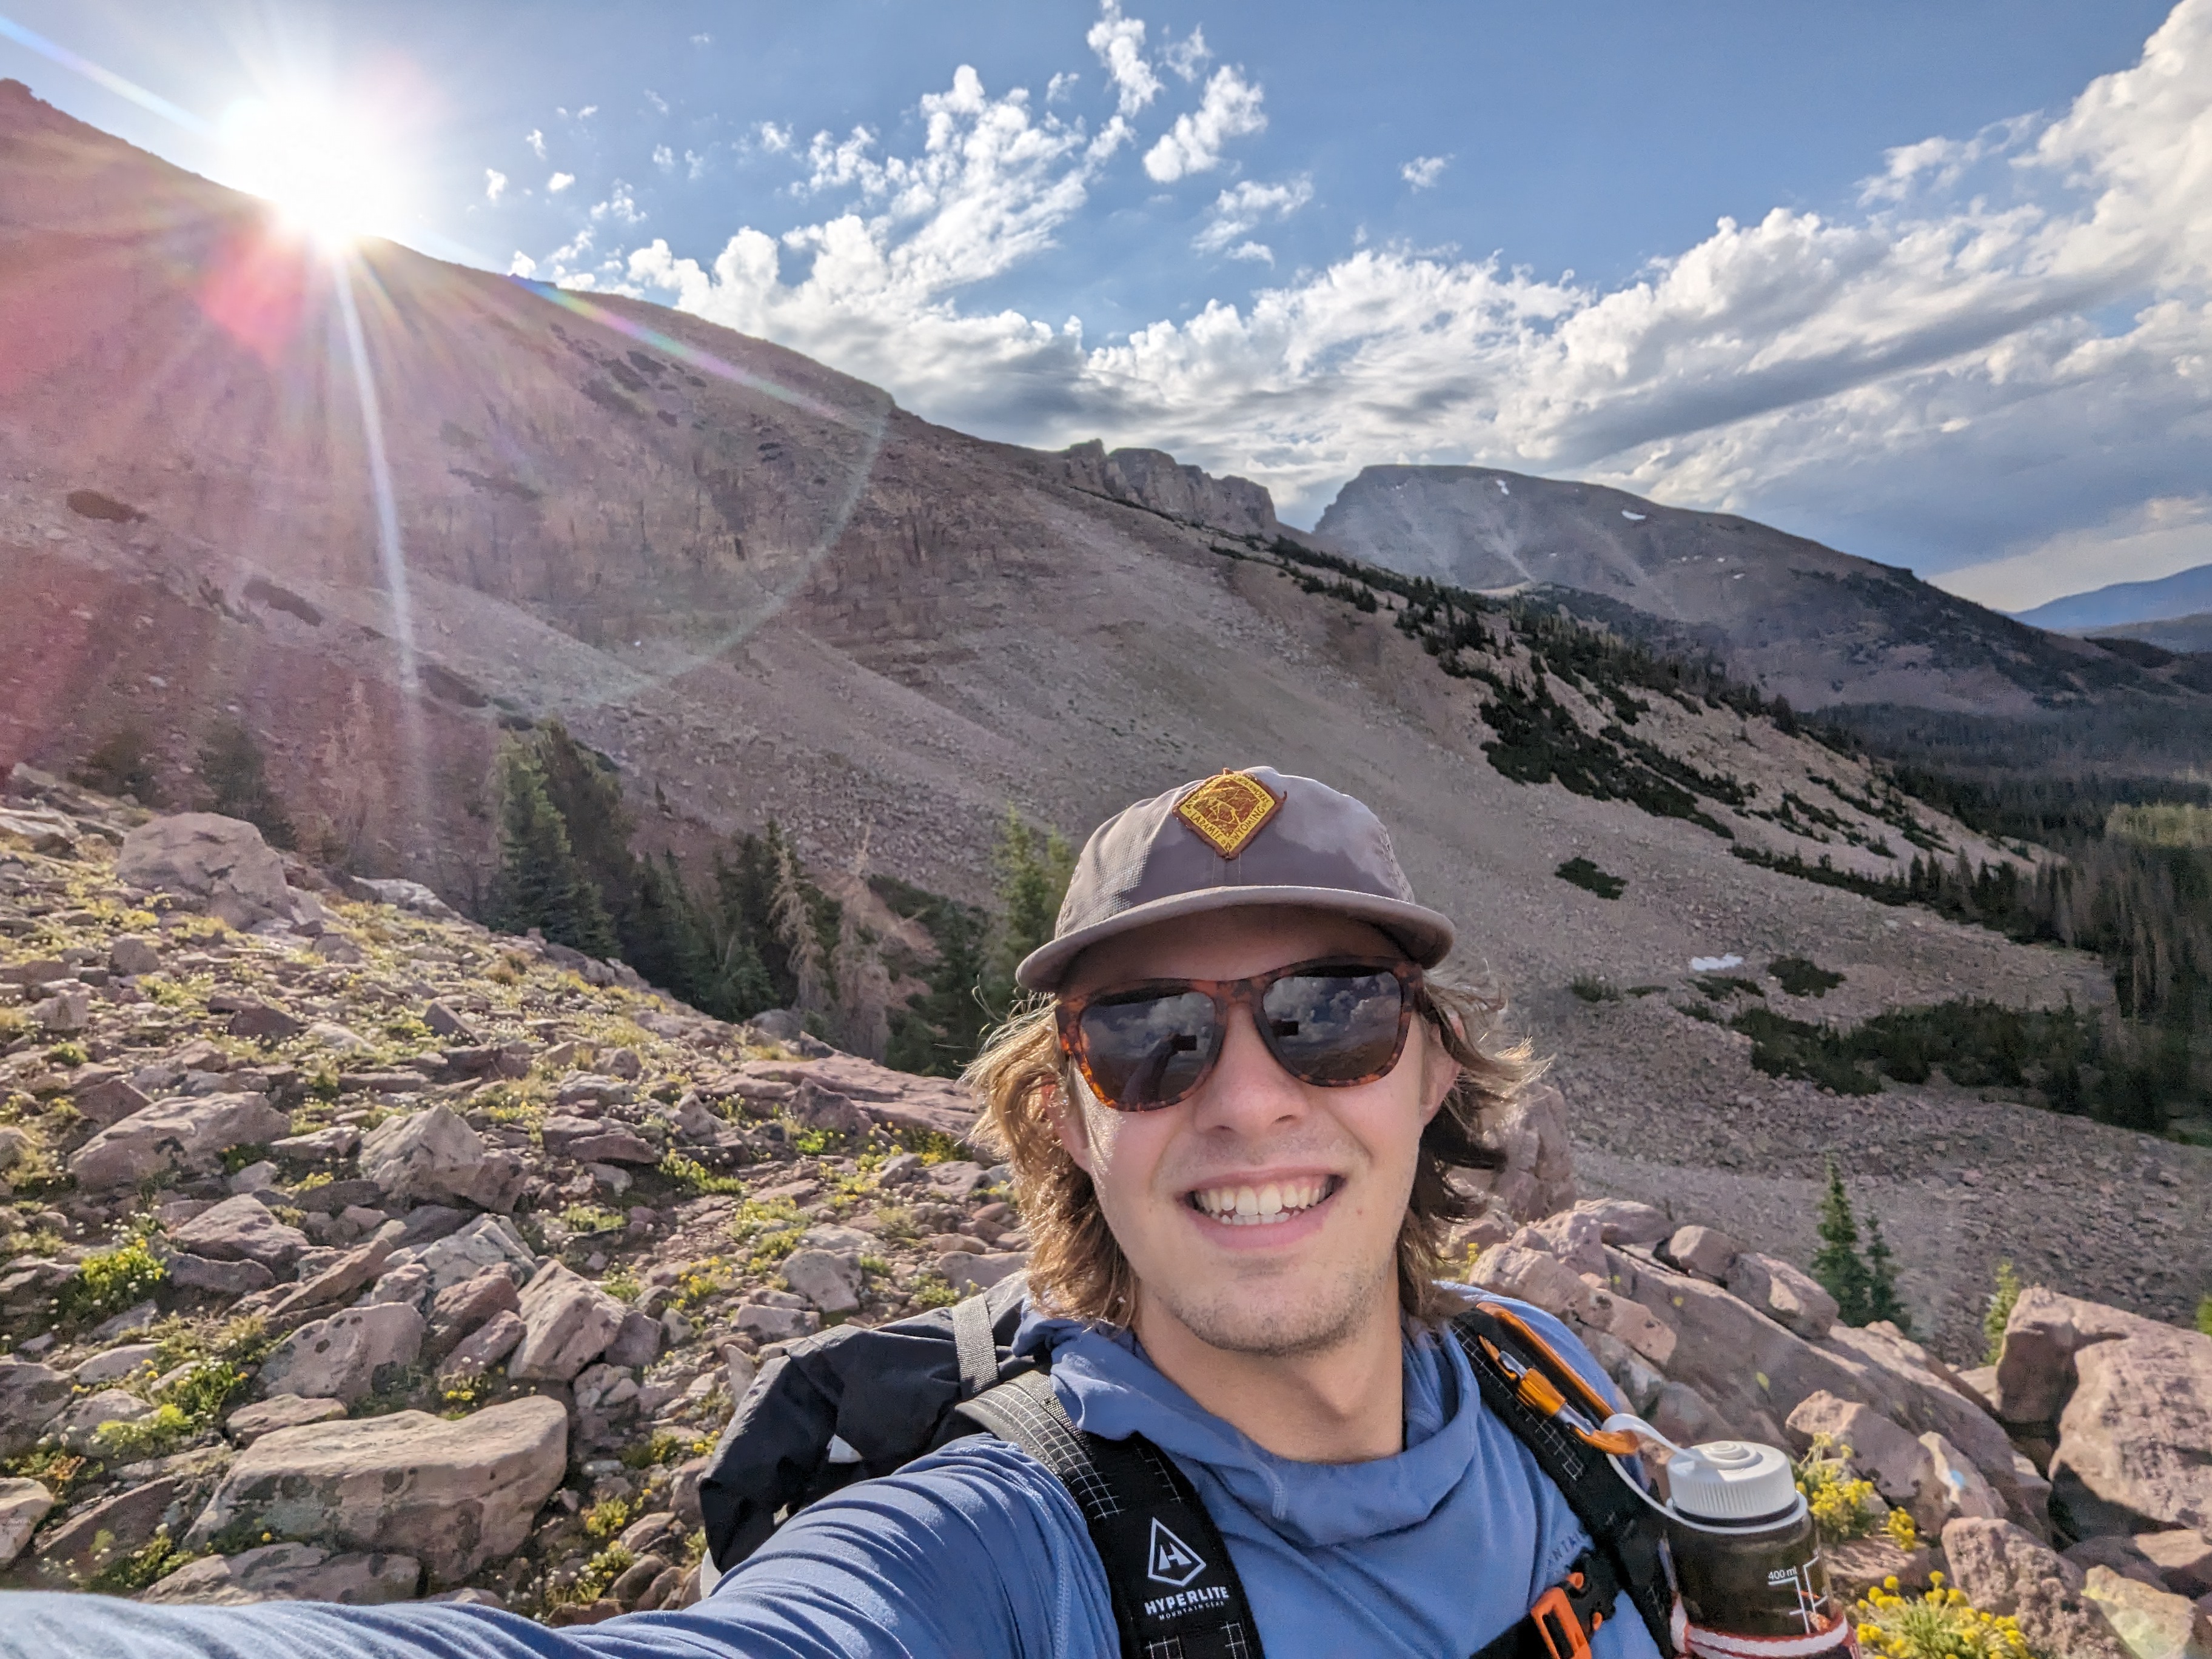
1344,1404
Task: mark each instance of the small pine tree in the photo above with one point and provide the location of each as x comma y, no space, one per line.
232,767
586,790
1998,1314
1837,1264
121,763
1882,1300
1029,870
540,884
864,984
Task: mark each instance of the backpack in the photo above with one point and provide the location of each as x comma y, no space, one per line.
855,1402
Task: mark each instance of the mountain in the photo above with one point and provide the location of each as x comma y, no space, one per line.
2185,634
1797,619
2184,593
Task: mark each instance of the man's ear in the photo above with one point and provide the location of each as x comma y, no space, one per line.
1439,1071
1067,1122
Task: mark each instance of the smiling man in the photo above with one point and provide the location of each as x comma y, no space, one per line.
1230,1120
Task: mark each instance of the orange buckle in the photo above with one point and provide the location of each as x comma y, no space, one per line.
1552,1608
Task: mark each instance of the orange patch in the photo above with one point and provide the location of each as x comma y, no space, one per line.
1228,809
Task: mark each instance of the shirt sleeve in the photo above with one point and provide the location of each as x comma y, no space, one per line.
973,1552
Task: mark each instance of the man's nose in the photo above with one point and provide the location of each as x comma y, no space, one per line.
1249,1092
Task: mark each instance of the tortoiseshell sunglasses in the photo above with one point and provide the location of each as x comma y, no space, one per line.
1334,1022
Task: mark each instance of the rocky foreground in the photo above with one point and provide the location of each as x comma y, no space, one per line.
356,1253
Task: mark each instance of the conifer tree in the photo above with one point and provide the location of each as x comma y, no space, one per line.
1882,1299
795,925
540,884
232,767
1837,1264
864,984
1029,870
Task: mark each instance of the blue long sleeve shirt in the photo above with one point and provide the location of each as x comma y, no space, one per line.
978,1550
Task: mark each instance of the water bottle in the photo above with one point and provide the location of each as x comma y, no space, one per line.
1747,1559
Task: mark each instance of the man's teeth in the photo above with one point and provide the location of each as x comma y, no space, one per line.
1258,1206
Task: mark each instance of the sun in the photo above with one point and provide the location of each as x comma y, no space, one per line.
329,173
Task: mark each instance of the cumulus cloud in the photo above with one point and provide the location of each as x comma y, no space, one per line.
774,139
1424,170
1242,208
620,204
663,157
559,182
1189,55
1230,109
494,184
535,139
1119,42
2002,353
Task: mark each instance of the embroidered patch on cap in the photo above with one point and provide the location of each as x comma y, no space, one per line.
1228,809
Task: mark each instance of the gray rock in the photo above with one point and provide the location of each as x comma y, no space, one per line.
338,1358
814,1107
1706,1251
290,1572
63,1012
770,1323
1955,1490
98,1534
2133,1438
637,1344
241,1229
79,1426
430,1154
408,1285
132,954
2005,1570
183,1134
2035,1370
110,1101
567,1322
829,1282
23,1505
2183,1556
283,1411
1898,1465
115,1365
453,1493
330,1145
967,1272
1575,1237
462,1308
1624,1221
1792,1299
485,1346
2154,1622
220,864
411,896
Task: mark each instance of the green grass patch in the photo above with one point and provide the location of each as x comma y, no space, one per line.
696,1178
1719,987
1591,988
108,1281
1580,872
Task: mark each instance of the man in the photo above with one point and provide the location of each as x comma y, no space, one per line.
1230,1130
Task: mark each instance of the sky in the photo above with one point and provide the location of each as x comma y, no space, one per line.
1932,284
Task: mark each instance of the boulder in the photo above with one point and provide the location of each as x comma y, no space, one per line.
339,1358
2003,1570
828,1281
241,1230
67,1011
1898,1465
132,954
80,1425
967,1273
465,1307
2183,1556
221,865
283,1411
115,1527
567,1322
23,1505
2035,1370
814,1107
116,1364
1531,1276
1789,1297
1575,1237
488,1244
1537,1176
1706,1251
1860,1565
337,1282
2133,1440
200,1272
184,1135
1624,1221
2154,1623
485,1346
109,1101
1954,1489
429,1154
262,1022
775,1324
31,1397
637,1343
290,1572
612,1147
453,1493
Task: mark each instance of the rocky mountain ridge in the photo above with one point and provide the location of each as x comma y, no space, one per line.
2119,605
356,1253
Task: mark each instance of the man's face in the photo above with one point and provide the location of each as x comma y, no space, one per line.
1261,1213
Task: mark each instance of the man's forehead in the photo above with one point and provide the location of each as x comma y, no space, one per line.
1230,943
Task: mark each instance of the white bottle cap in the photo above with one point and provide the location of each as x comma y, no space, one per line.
1730,1480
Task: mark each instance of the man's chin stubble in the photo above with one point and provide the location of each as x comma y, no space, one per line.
1235,1321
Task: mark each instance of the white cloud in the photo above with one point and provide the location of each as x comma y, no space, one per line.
663,157
522,265
559,182
1060,86
587,111
1999,349
1242,207
656,100
494,184
694,163
535,139
1188,56
772,138
1424,170
703,39
1119,42
620,204
1230,109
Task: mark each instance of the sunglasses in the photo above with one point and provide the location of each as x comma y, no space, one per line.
1335,1024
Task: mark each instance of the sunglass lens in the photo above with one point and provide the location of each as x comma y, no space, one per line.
1148,1050
1330,1028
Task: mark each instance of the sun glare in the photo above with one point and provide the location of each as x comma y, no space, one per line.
327,173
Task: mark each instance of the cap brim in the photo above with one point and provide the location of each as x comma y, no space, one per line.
1425,935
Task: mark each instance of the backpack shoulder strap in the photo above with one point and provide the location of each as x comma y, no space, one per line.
1176,1595
1538,1396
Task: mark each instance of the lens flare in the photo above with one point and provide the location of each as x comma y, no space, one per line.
329,173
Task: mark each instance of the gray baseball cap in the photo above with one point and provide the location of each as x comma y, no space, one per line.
1258,836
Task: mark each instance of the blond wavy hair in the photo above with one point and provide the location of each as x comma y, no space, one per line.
1077,1268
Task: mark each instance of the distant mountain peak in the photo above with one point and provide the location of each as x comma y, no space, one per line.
2118,604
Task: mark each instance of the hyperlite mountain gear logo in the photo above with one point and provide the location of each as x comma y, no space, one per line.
1171,1562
